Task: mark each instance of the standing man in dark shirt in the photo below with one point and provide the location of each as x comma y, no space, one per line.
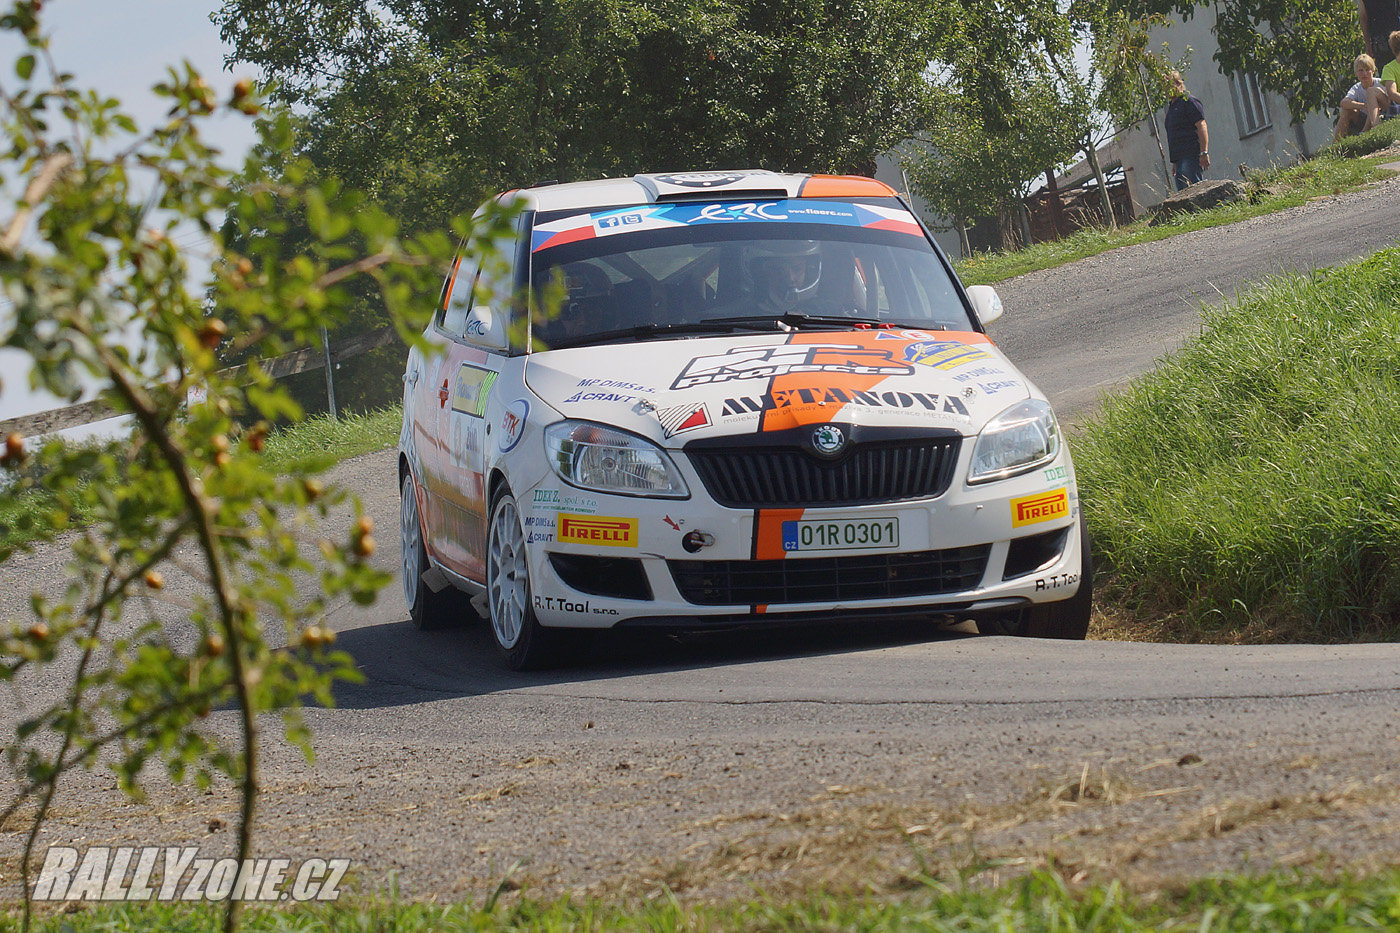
1188,140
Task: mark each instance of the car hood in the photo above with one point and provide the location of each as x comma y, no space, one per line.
675,391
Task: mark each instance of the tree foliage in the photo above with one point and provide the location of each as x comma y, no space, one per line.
431,107
1018,98
436,105
1301,51
102,292
969,166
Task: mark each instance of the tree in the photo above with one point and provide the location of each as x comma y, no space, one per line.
968,167
459,100
1112,89
1300,51
101,291
431,107
1018,99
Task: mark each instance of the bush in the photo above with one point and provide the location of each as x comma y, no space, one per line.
1249,483
1363,144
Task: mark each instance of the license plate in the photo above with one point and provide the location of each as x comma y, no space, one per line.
841,534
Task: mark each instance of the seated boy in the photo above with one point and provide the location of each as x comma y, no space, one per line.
1366,103
1390,77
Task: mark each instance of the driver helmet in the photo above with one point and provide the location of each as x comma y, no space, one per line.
785,272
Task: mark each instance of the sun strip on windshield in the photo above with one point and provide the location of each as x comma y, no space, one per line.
589,226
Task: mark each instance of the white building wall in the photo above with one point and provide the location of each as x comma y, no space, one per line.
1276,143
888,170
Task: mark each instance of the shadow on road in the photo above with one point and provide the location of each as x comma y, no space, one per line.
403,666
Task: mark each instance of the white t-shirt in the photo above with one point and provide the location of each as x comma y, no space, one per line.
1357,93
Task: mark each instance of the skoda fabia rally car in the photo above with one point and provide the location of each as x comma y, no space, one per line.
752,397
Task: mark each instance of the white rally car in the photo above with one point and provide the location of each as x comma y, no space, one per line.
762,397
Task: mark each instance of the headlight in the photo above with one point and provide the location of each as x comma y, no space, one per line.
591,456
1019,439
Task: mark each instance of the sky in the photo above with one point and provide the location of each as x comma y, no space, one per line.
122,48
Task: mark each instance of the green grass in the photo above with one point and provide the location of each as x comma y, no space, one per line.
1039,902
308,446
318,443
1266,191
1248,487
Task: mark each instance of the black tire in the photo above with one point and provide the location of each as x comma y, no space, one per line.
429,611
523,642
1068,618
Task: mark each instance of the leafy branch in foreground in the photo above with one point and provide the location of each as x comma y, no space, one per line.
129,659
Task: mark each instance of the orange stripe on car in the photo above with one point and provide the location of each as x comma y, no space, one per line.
768,532
864,343
451,281
844,186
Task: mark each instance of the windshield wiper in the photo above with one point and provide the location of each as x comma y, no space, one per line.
840,321
724,325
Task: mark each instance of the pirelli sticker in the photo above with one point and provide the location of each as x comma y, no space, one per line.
604,530
1041,507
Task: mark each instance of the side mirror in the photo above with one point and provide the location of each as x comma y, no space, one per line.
986,303
487,329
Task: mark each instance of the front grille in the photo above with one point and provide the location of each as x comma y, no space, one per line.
884,471
829,579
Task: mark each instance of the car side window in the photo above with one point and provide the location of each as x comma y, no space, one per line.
492,280
457,298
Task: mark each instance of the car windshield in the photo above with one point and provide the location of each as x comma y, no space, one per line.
687,268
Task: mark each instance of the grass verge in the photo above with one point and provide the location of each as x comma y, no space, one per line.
1336,169
1246,490
309,446
1040,901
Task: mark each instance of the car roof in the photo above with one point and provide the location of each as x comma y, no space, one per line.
693,186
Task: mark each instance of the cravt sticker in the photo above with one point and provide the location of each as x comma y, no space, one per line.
539,528
683,418
768,362
513,424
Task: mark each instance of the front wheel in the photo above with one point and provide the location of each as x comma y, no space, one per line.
1068,618
525,644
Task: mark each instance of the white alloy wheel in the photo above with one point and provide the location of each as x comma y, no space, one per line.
521,639
507,576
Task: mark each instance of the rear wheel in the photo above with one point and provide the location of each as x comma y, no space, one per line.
525,644
428,610
1068,618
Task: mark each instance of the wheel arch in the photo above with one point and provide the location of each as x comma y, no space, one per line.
494,483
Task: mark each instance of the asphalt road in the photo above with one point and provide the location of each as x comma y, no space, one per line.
1083,329
834,757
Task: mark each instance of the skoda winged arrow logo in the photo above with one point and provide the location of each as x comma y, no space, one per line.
828,440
